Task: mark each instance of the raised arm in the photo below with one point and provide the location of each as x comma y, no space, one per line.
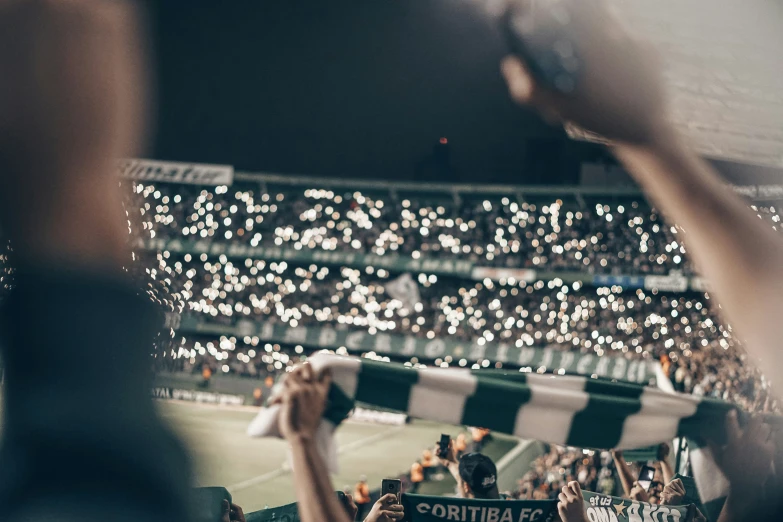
623,471
451,461
303,402
666,466
621,98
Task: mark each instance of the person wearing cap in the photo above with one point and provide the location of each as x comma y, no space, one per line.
479,477
476,474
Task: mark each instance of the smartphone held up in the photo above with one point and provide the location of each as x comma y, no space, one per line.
393,486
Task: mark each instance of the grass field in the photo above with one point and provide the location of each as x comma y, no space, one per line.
255,470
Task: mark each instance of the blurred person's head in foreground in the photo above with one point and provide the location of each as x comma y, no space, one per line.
479,477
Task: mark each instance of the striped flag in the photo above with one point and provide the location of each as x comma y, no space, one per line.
712,485
570,410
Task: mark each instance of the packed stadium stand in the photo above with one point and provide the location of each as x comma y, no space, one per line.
539,274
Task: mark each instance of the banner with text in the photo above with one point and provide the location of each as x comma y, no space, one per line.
602,508
699,284
420,508
176,172
393,263
357,341
161,392
674,282
287,513
400,264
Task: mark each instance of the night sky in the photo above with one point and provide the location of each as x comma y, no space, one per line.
346,89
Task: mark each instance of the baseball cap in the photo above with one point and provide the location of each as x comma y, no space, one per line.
480,474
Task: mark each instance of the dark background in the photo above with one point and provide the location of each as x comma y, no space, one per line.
354,89
347,89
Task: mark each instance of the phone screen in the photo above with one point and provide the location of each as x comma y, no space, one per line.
646,477
393,486
443,446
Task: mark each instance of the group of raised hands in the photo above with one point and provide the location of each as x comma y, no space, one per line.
386,509
571,508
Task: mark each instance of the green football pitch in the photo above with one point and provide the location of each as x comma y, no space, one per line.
256,473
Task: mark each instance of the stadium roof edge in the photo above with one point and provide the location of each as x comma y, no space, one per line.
446,188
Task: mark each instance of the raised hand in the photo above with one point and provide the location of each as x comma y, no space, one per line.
386,510
747,457
673,493
451,454
571,503
303,402
619,90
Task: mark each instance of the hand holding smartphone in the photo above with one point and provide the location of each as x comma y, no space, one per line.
443,446
646,475
393,486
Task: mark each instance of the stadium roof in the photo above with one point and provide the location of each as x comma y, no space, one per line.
724,70
364,90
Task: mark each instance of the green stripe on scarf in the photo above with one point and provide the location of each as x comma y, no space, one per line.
599,425
386,385
491,398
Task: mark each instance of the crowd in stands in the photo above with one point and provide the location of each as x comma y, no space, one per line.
601,237
698,352
594,470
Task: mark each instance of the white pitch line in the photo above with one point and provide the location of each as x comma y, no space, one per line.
282,470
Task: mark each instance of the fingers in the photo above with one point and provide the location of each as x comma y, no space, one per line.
575,488
757,429
524,90
520,82
303,373
325,381
392,515
237,514
306,372
388,498
293,385
562,498
733,431
568,492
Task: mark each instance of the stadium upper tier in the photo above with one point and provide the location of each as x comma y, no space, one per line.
596,235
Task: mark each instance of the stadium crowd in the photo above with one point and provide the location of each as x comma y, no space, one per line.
699,354
596,237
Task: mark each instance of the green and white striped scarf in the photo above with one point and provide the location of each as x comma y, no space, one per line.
568,410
